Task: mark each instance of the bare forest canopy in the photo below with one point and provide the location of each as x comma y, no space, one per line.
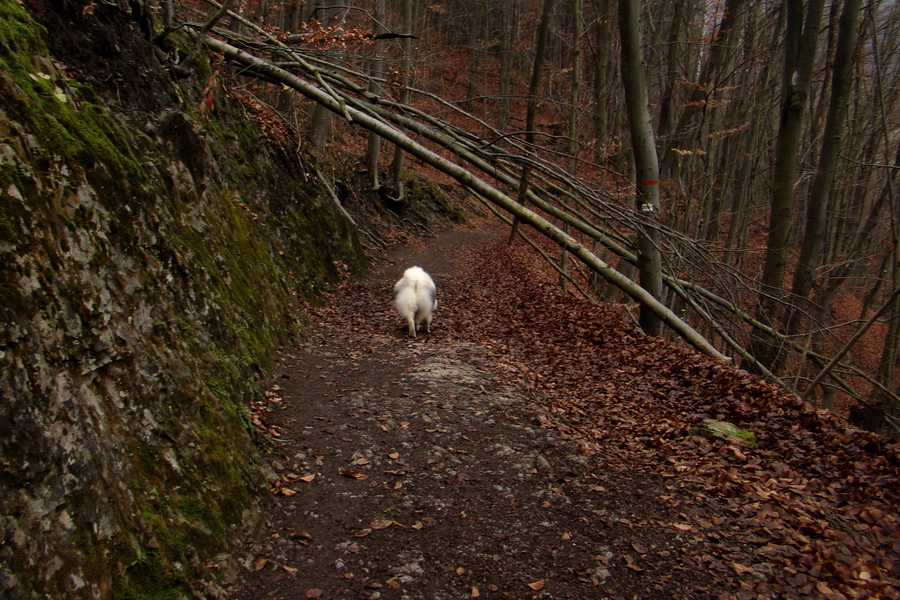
754,179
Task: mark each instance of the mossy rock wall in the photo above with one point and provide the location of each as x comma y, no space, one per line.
150,266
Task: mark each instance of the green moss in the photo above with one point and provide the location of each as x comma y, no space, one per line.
728,432
18,33
202,513
149,579
244,280
7,228
68,125
431,200
142,457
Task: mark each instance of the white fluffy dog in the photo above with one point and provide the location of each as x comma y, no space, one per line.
415,297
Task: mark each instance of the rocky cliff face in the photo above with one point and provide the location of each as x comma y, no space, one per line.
150,263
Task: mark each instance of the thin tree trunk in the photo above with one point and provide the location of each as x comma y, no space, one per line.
741,191
814,233
406,17
373,150
573,117
666,103
801,41
602,71
507,34
686,134
646,165
540,53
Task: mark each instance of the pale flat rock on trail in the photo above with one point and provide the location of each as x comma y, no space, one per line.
418,469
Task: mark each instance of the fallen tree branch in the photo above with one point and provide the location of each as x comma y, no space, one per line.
850,343
469,180
504,168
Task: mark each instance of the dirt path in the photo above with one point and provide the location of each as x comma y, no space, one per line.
536,446
418,469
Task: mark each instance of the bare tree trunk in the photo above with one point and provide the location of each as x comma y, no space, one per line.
814,233
646,165
373,151
507,35
540,53
686,134
801,41
667,101
319,116
741,192
602,70
406,17
577,31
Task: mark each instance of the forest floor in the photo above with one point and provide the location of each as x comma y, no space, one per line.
535,445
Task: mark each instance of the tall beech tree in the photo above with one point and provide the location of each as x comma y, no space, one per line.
800,44
406,66
646,162
534,84
820,194
373,150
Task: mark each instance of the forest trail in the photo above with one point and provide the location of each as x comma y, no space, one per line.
436,468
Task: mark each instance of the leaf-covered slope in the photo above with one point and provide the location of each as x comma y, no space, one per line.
814,511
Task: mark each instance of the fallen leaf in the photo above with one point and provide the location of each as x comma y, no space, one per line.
538,585
475,593
394,455
354,474
682,526
418,525
823,588
380,524
308,478
639,548
289,569
287,492
314,593
260,563
741,569
460,571
629,562
363,461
